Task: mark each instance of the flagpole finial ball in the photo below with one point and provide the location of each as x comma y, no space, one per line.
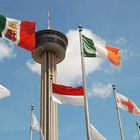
80,27
50,41
32,107
114,86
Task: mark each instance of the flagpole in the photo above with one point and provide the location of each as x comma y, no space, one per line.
31,130
118,113
51,132
138,130
85,86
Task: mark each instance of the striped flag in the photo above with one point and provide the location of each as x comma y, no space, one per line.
19,32
68,95
126,104
91,49
4,92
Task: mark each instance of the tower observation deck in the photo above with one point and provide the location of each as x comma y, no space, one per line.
50,40
50,50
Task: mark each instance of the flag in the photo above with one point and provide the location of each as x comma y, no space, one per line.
19,32
92,49
126,104
68,95
4,92
95,135
35,123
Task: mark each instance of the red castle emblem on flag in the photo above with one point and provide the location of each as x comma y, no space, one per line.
11,32
11,35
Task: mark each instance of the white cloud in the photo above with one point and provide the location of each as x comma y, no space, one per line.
69,70
101,90
120,41
126,53
34,67
6,50
111,69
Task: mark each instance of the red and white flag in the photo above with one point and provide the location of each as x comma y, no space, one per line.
126,104
68,95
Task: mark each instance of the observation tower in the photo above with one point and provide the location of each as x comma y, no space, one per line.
50,50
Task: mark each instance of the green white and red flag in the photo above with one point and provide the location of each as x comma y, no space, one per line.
19,32
68,94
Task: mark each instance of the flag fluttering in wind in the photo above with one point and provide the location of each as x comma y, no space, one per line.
126,104
35,123
4,92
19,32
68,95
92,49
95,135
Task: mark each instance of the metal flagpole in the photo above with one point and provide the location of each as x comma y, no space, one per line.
49,97
31,129
118,113
85,87
50,92
137,125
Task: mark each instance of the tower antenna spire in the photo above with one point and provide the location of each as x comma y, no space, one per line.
49,19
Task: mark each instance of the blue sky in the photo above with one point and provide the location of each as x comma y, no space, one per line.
116,22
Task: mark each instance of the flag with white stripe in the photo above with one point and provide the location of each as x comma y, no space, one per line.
68,95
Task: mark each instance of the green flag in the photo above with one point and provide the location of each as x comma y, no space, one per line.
88,47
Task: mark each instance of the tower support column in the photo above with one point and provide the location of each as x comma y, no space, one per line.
48,114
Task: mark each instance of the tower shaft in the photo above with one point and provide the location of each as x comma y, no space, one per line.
48,114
